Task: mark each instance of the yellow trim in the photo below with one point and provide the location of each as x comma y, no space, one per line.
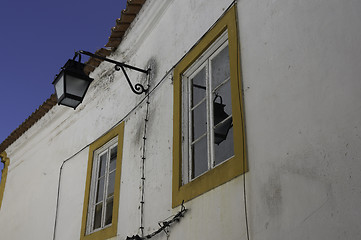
4,174
234,166
110,231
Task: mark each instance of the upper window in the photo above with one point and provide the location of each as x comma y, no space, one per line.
208,144
101,201
207,112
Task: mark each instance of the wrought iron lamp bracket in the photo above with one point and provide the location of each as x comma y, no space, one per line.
137,88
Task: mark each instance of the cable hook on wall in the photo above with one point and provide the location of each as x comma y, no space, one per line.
163,225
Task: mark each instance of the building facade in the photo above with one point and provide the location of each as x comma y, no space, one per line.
250,129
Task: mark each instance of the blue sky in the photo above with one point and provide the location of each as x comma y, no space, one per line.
36,39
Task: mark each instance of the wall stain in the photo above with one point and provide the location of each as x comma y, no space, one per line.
272,194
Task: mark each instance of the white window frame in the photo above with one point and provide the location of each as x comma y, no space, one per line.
94,182
203,61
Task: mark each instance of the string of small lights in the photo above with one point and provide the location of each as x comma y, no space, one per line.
142,185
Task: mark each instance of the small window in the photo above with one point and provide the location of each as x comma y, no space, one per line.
208,127
102,187
101,201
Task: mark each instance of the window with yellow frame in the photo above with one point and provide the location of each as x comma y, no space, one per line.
209,139
101,198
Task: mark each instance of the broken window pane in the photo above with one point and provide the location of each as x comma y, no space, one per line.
222,103
224,150
223,133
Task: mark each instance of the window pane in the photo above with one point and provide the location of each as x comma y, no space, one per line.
225,147
199,121
222,103
113,158
199,156
223,133
220,68
111,184
100,190
198,87
98,216
109,212
102,161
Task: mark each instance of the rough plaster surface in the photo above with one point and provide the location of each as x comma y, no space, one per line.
301,63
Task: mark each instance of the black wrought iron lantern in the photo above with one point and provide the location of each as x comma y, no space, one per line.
71,83
222,119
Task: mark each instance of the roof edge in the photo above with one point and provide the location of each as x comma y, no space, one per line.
117,33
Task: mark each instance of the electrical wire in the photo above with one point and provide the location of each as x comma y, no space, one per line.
240,90
131,111
87,145
163,225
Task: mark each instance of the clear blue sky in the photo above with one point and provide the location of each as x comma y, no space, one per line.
36,39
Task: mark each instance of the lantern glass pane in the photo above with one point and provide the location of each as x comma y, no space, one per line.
76,86
59,86
70,102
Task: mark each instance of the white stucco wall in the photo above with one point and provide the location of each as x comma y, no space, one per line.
301,63
302,90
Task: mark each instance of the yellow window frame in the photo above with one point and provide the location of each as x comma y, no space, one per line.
235,166
110,231
6,161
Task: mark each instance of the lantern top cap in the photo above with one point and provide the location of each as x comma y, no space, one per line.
74,68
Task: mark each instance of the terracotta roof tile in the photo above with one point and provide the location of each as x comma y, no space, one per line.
117,32
132,8
126,18
113,42
103,52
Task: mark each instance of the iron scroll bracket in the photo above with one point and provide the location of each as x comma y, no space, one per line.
137,88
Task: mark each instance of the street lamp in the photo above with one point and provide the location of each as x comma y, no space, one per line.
72,83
